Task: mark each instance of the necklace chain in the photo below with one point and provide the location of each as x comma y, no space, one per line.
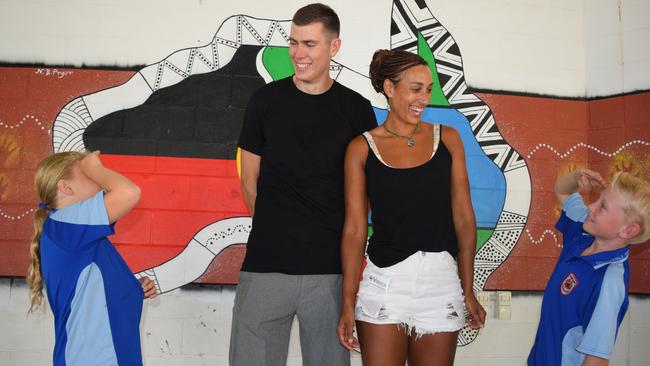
410,141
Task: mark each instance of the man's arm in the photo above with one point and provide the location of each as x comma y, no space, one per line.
355,234
250,172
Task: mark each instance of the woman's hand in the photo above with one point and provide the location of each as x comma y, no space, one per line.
476,314
148,287
345,329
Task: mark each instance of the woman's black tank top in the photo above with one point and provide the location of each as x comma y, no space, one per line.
411,207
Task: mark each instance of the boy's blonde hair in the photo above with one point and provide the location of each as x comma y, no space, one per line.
48,173
637,207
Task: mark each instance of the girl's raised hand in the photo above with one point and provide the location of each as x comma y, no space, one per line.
148,287
90,161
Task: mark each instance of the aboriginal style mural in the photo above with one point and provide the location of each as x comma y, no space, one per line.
190,105
172,127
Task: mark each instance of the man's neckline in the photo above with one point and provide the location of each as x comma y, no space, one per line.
306,92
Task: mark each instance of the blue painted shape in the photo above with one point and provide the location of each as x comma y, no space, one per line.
486,181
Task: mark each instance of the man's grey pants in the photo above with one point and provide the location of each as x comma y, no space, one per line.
265,304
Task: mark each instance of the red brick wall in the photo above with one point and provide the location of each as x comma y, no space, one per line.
30,99
606,124
179,198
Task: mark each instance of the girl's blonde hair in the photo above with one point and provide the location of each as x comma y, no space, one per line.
637,207
48,173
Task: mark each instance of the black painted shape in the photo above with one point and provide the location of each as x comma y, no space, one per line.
454,50
443,79
200,117
421,4
394,29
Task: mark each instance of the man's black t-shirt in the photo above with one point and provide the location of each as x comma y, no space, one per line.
299,208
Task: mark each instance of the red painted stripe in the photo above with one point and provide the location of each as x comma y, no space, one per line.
180,196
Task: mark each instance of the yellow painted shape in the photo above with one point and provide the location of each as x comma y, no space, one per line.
239,162
9,153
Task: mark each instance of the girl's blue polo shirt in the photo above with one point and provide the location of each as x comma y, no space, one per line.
95,299
585,298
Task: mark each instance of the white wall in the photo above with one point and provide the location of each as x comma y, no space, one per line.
518,45
570,48
617,33
191,327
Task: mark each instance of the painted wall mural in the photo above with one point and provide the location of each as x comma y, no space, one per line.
172,128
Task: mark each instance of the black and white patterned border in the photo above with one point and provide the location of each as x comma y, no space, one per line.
410,17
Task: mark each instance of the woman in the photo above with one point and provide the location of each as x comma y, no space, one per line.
410,303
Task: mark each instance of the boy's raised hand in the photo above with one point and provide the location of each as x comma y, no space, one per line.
588,179
578,180
148,287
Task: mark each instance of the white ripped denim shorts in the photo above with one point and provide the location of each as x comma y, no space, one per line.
421,293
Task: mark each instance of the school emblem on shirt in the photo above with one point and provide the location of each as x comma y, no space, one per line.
569,283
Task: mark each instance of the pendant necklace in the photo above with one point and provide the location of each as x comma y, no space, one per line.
410,142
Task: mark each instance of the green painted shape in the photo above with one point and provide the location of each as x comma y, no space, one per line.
482,236
437,96
277,62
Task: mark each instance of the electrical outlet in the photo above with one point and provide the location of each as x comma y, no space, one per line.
503,305
486,299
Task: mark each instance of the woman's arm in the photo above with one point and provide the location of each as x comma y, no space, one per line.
355,234
464,224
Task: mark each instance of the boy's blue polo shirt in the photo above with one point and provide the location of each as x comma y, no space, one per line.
95,299
585,298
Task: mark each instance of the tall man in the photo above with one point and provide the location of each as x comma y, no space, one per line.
293,142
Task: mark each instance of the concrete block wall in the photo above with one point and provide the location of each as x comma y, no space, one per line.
568,48
523,45
548,47
191,327
616,34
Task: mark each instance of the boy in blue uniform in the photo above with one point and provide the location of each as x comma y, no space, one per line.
586,296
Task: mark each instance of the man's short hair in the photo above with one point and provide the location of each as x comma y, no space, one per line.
318,12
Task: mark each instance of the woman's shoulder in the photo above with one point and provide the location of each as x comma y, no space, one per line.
449,134
448,130
358,141
358,146
451,138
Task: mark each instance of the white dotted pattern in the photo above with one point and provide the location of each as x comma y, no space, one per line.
6,216
582,144
22,122
541,238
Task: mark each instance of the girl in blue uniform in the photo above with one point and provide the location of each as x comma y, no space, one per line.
95,299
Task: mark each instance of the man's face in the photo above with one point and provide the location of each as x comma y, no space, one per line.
311,48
